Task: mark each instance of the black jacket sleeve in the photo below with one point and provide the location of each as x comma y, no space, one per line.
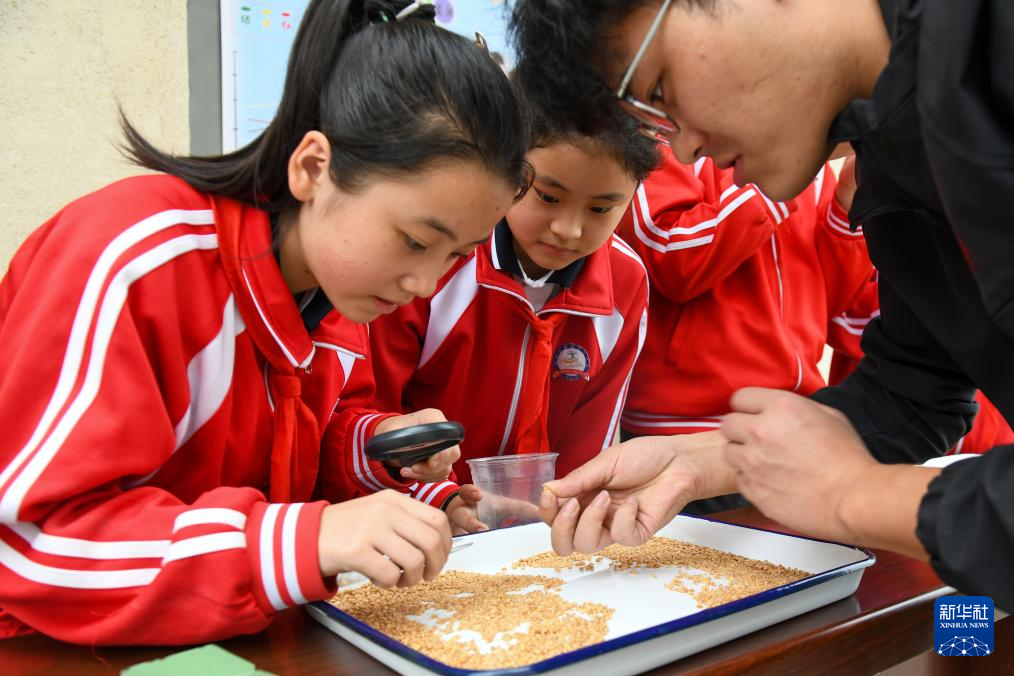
966,104
907,399
966,524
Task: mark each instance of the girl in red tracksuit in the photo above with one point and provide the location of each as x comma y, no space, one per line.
178,347
989,429
530,341
742,290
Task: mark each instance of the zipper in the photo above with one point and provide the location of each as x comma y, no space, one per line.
307,297
575,313
332,346
303,302
543,311
347,358
517,390
511,293
781,308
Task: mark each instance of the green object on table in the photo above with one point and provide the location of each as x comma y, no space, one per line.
208,660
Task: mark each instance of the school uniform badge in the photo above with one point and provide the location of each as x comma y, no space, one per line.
571,362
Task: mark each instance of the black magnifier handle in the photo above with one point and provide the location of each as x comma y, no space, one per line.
409,445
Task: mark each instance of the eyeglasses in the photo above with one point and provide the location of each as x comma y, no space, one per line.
652,122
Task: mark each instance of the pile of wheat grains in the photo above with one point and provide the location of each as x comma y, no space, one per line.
711,577
479,621
518,619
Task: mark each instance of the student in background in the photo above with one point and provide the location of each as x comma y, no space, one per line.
530,341
176,344
742,291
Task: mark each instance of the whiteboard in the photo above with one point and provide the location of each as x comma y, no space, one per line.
489,17
257,35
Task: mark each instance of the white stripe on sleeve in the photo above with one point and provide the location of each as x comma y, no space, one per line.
360,462
210,515
839,225
269,579
430,491
73,358
24,567
711,223
59,545
289,554
108,316
204,544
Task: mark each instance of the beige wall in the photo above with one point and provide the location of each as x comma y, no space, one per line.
65,64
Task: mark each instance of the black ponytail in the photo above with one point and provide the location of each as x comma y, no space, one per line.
392,97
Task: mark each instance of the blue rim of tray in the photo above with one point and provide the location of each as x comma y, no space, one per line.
565,659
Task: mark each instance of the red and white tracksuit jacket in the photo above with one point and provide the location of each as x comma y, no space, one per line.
519,381
742,289
989,430
157,382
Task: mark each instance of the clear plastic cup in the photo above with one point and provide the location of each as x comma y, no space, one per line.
511,485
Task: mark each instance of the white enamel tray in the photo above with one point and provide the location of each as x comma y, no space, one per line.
652,625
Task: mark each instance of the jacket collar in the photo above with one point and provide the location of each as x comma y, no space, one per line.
329,329
262,296
505,260
587,283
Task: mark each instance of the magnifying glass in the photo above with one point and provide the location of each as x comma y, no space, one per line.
409,445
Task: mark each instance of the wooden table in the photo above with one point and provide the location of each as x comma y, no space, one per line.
886,624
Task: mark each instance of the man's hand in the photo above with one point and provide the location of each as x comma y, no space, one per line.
803,465
629,491
796,460
436,467
462,511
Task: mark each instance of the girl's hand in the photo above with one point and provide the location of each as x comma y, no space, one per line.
436,467
388,537
462,511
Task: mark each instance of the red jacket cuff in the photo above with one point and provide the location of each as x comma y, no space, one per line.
837,220
282,544
371,475
435,494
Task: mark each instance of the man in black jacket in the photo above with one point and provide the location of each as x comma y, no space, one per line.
923,91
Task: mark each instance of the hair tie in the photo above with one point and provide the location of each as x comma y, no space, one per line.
480,42
411,9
